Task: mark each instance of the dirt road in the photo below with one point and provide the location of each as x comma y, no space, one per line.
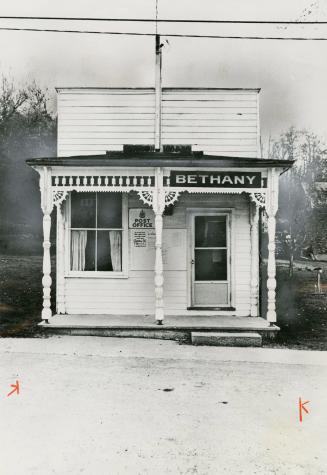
121,406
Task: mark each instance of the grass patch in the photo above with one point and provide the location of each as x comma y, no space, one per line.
20,296
301,311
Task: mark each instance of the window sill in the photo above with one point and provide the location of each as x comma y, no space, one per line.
97,275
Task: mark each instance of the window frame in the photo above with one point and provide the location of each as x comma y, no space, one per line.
191,212
213,248
124,230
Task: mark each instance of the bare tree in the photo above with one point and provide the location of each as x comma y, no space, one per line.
298,195
11,100
27,129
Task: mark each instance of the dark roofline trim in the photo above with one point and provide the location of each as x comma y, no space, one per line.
105,88
155,159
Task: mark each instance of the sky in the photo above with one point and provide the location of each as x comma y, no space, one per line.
292,75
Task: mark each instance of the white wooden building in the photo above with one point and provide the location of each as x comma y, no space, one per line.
158,196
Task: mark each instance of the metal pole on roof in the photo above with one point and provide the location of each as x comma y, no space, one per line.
157,142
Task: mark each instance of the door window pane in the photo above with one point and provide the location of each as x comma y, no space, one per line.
109,210
210,231
83,206
210,264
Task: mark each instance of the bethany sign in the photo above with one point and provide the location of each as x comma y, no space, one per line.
206,179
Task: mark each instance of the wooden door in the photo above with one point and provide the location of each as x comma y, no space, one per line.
210,260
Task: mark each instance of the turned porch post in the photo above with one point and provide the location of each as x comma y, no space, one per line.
158,208
61,259
254,220
271,209
47,206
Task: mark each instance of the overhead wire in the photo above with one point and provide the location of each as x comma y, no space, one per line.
172,35
167,20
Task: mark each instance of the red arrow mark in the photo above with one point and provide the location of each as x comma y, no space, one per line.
16,388
302,408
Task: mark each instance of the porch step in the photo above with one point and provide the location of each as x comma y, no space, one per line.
226,339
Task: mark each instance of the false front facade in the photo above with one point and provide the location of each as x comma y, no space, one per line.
158,204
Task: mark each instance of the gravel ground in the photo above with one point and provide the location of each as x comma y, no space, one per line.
92,405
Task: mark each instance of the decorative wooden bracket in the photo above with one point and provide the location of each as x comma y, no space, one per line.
59,197
171,197
147,197
259,199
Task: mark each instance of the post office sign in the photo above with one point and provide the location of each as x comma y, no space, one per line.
141,218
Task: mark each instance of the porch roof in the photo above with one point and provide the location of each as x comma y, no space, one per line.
152,159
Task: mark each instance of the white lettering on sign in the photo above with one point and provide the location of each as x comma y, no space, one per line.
180,179
250,178
216,179
227,179
203,178
239,180
191,179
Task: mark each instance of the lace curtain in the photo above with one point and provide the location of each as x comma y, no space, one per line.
115,250
78,244
78,247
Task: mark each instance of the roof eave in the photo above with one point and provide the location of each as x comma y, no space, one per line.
157,159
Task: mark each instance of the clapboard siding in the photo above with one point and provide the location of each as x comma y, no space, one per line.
212,117
200,109
136,293
212,132
219,117
127,114
216,121
113,110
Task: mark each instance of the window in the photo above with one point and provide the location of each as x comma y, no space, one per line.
96,232
210,248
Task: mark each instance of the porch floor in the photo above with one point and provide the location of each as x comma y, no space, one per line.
147,322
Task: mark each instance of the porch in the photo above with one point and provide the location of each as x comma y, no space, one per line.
143,326
160,180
